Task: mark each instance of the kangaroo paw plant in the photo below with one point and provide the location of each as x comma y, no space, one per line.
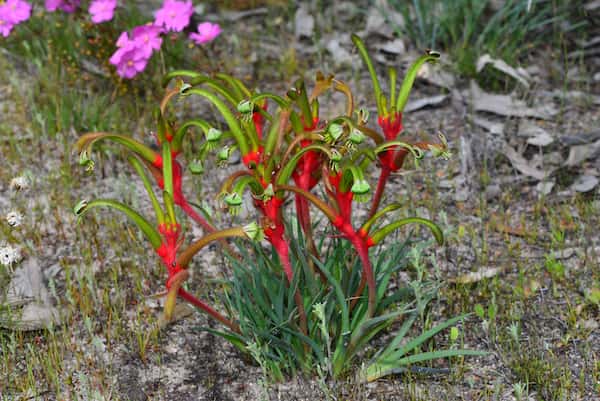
315,300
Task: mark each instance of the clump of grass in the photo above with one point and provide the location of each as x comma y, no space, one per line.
467,29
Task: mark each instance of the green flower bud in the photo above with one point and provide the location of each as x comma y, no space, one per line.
213,134
234,203
245,107
356,136
334,132
363,116
84,160
223,155
80,207
233,199
254,231
196,167
334,160
360,189
454,333
212,138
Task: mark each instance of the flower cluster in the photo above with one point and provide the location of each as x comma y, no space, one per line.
9,255
174,15
68,6
288,149
12,13
281,140
133,50
20,183
102,10
14,218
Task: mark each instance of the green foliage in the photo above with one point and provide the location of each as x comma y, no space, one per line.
555,267
467,29
337,333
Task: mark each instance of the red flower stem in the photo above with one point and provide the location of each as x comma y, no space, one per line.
303,212
282,248
357,294
383,177
195,216
348,231
368,275
283,251
210,311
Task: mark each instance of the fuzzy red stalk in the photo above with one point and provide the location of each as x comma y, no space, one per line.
275,234
206,308
391,127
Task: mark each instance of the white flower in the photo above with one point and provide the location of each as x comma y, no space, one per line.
9,255
14,219
20,183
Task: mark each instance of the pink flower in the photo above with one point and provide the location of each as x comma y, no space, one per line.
147,38
6,25
174,15
207,32
68,6
102,10
133,53
129,60
19,10
13,12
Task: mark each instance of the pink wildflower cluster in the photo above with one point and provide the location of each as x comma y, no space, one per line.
174,15
133,53
68,6
102,10
13,12
207,32
133,50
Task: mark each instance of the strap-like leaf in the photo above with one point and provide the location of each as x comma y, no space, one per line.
376,371
376,87
234,126
286,172
410,77
137,165
148,229
186,256
86,141
179,73
386,230
389,208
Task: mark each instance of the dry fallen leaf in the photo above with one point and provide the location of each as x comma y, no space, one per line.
580,153
434,75
340,55
181,311
424,102
517,73
304,22
522,165
507,105
395,46
541,140
585,183
474,277
491,126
